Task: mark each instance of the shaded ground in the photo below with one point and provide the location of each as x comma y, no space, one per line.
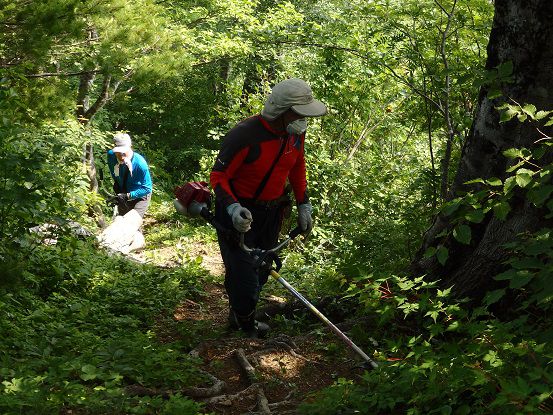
284,370
287,368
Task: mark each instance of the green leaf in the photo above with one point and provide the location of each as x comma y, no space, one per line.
505,276
444,293
89,372
453,326
463,410
523,277
494,92
523,178
494,296
494,181
508,113
475,181
539,152
527,263
433,314
513,153
476,216
523,387
539,195
522,117
501,210
542,114
515,166
451,206
442,254
463,234
510,184
530,110
430,252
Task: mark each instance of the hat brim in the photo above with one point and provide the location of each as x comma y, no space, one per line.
121,149
314,109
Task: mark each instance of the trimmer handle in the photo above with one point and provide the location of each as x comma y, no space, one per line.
295,232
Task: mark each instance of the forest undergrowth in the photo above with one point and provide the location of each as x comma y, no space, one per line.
104,334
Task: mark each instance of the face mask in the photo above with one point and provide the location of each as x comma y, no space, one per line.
297,127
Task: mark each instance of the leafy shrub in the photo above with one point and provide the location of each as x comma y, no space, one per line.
442,356
86,329
43,176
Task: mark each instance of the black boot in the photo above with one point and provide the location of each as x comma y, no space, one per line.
233,320
252,328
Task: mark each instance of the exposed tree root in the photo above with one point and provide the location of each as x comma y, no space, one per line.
217,388
226,400
255,362
262,402
245,364
263,407
198,393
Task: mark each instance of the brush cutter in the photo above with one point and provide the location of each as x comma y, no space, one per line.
194,199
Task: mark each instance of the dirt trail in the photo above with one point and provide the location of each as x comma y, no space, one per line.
271,376
285,369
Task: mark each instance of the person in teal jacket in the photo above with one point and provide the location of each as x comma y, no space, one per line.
132,182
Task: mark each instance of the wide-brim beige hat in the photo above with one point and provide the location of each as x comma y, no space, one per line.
292,94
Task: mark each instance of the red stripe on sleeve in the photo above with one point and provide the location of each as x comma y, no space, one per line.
220,178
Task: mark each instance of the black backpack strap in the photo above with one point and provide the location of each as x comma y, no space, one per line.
270,171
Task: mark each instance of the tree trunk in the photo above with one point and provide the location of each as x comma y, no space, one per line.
83,95
521,33
84,114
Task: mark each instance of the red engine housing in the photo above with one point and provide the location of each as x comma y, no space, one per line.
193,191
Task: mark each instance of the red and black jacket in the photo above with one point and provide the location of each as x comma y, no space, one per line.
247,154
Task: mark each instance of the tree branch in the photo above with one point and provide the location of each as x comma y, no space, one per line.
49,74
100,101
368,58
450,129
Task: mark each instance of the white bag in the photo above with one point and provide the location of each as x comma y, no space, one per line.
123,234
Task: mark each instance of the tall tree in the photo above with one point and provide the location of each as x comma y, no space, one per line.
521,35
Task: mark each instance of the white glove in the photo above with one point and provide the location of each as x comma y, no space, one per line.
241,217
305,221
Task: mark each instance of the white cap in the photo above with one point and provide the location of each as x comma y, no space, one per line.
122,143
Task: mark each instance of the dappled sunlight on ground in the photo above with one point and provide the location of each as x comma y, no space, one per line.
286,374
286,369
182,252
281,365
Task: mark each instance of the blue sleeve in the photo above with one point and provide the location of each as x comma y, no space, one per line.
141,178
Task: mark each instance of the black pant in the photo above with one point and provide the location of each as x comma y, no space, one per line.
140,205
242,282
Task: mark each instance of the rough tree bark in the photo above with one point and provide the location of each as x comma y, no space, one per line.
522,33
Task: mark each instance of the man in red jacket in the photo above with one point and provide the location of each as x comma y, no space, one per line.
256,158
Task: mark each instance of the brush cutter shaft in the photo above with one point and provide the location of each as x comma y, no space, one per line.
325,320
293,233
200,208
